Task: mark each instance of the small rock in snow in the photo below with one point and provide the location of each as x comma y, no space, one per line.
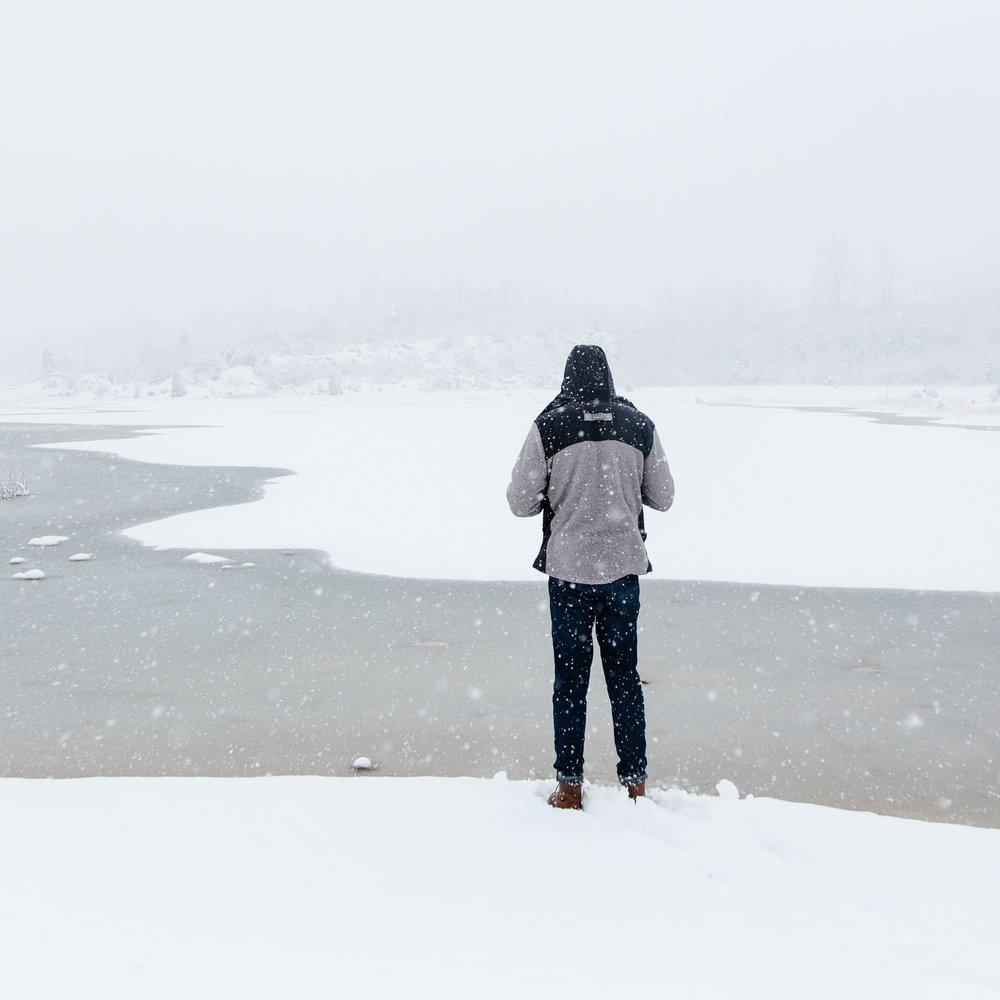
30,574
727,790
17,560
364,764
205,558
48,540
81,557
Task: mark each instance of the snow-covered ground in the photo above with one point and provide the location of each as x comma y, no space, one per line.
374,887
382,886
412,484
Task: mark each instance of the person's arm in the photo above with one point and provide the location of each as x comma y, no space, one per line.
529,478
657,482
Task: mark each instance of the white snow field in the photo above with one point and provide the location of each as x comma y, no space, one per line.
412,484
379,886
462,887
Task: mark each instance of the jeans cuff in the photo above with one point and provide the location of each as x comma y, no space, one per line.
569,779
632,779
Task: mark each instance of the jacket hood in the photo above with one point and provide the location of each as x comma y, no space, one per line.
587,378
587,375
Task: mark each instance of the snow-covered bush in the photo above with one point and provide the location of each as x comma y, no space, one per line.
16,486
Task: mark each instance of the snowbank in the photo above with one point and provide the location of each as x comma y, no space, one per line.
378,887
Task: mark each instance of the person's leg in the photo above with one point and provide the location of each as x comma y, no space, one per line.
573,651
617,618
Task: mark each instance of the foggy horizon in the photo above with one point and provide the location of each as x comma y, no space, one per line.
209,170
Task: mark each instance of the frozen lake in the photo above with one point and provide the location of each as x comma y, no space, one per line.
138,662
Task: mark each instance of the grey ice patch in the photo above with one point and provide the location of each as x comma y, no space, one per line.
598,416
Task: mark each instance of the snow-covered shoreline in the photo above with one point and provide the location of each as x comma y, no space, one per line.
977,403
117,888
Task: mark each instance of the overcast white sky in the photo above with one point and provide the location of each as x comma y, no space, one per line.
165,157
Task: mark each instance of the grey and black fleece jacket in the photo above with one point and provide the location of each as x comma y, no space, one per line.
589,463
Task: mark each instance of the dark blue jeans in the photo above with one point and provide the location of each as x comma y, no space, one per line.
614,608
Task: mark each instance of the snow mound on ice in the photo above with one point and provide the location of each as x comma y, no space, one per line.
728,792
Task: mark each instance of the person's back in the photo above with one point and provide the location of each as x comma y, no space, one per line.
589,463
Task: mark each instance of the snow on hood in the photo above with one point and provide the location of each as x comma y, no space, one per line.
587,375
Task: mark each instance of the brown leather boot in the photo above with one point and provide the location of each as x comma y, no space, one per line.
637,791
567,796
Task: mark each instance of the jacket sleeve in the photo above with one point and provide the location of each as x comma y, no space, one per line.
657,482
529,479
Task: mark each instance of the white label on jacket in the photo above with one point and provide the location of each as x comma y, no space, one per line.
598,416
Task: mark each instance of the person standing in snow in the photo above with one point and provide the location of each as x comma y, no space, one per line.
589,463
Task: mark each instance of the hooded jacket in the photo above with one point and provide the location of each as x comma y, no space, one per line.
589,463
